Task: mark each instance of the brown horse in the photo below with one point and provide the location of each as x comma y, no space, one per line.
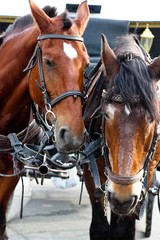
127,122
58,58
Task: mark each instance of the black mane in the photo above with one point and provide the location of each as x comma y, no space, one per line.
133,78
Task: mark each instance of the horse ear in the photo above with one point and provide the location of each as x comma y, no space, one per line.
82,17
155,67
109,58
40,16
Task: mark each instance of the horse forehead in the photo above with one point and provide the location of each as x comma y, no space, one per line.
69,50
112,110
124,113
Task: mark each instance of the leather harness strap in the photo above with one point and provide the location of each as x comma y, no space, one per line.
33,129
60,36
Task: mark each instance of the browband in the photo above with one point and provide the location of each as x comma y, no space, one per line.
60,36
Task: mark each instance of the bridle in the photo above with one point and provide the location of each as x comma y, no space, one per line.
143,173
37,57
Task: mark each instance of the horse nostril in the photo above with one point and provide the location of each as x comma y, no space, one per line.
63,133
66,139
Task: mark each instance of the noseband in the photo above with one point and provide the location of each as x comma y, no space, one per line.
37,57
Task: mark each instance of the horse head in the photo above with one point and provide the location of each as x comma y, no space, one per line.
130,110
56,80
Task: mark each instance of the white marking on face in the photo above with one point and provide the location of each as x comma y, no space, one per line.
127,110
110,110
69,50
158,89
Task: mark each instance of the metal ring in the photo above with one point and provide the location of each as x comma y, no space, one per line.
46,120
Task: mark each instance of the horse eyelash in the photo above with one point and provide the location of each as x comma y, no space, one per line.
49,63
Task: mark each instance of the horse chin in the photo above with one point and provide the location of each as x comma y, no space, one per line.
64,151
125,207
70,149
123,199
121,211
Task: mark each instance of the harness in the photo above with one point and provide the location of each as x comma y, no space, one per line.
87,155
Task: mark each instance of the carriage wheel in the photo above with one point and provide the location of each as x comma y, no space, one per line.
149,207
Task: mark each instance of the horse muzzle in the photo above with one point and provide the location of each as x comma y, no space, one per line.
123,198
122,207
68,142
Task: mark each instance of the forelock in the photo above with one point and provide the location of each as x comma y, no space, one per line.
66,21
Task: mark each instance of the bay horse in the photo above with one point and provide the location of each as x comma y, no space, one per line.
123,112
51,48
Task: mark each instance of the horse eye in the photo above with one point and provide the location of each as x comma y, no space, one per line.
49,63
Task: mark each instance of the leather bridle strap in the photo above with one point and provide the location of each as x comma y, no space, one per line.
75,94
151,150
59,98
60,36
32,63
124,180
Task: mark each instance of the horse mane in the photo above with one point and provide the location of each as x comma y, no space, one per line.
21,23
133,78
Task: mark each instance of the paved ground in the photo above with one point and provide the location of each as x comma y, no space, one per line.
56,214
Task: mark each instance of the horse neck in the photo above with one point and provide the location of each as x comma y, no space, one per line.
15,53
92,116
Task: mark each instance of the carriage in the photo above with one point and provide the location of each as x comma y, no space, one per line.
54,100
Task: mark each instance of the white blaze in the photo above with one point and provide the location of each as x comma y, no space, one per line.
127,110
69,50
110,111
